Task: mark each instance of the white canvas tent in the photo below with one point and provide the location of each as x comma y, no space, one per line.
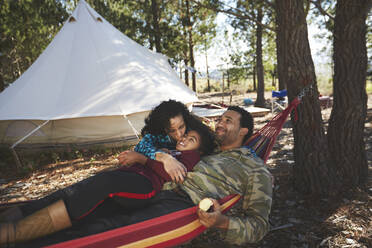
91,84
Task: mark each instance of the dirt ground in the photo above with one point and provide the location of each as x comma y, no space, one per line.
297,220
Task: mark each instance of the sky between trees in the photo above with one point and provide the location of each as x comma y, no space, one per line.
322,59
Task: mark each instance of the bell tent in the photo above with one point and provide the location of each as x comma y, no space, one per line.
92,84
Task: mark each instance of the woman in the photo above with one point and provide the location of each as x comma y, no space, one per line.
164,126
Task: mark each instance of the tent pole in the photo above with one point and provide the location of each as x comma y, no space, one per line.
28,135
16,158
131,125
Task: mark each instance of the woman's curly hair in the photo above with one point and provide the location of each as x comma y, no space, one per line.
157,122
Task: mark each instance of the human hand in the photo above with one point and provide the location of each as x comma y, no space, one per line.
131,157
176,170
213,218
165,150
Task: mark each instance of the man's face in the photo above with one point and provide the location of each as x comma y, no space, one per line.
228,127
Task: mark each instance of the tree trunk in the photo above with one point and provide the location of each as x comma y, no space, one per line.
2,84
311,173
155,23
281,55
186,72
228,79
223,83
184,36
180,66
346,124
191,45
206,65
149,29
260,101
254,78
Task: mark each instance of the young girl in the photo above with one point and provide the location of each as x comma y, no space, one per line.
199,140
130,187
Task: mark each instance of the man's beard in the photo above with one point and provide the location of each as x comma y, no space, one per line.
220,137
226,137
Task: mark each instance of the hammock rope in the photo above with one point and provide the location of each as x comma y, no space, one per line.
263,140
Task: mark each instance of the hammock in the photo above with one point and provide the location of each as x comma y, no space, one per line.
180,226
263,140
164,231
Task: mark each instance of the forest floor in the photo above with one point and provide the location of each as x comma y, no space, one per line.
297,220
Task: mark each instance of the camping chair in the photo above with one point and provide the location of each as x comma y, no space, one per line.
325,101
279,100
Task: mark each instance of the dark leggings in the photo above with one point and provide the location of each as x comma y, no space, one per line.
126,189
106,218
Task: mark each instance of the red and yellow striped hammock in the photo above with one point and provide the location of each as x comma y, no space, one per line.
164,231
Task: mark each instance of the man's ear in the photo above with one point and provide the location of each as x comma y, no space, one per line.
243,131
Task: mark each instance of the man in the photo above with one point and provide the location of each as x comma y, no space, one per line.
234,170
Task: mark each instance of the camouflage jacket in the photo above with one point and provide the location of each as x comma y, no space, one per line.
236,171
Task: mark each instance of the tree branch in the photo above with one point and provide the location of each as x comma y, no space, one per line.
269,3
318,5
233,12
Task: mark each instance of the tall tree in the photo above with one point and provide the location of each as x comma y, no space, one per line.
2,84
346,124
281,50
254,78
185,51
197,26
255,10
128,16
155,22
311,173
189,26
204,34
244,16
152,23
207,67
26,29
260,101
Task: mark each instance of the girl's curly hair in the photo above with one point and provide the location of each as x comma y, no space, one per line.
157,122
207,138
